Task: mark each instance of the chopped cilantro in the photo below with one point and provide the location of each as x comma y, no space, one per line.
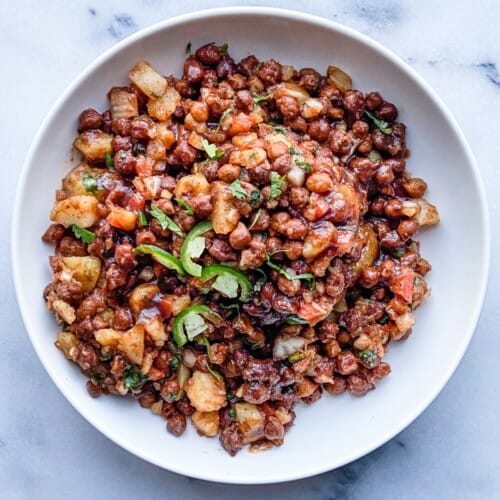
369,358
232,414
276,185
95,378
384,319
304,165
382,125
83,234
165,221
223,49
176,361
290,275
237,190
211,149
258,99
294,151
109,161
133,378
293,319
188,49
89,183
255,197
186,208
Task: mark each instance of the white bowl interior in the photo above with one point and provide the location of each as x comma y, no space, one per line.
333,431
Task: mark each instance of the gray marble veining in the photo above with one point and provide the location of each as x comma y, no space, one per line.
48,451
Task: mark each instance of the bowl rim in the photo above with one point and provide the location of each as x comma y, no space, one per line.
280,13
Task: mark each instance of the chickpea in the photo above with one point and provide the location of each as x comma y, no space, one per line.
320,182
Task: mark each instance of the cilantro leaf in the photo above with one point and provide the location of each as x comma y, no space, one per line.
255,197
165,221
188,48
256,218
186,208
290,275
258,99
382,125
306,166
133,378
237,190
176,361
293,319
211,149
276,185
83,234
109,161
294,151
222,118
89,183
223,49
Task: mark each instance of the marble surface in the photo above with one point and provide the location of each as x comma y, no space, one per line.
47,451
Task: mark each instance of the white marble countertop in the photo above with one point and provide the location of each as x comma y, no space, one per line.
47,451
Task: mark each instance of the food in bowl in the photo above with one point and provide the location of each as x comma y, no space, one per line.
237,241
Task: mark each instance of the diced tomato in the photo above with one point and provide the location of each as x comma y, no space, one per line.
165,308
154,374
312,313
345,241
136,202
402,284
122,219
144,166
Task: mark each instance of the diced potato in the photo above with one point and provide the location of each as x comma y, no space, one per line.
73,182
107,337
205,392
179,303
428,214
122,219
248,158
312,108
80,210
64,310
86,270
224,216
306,387
194,140
242,141
94,144
164,135
123,103
404,322
66,341
338,78
148,80
251,421
155,329
319,239
291,90
370,249
206,423
141,297
163,107
132,344
283,415
191,185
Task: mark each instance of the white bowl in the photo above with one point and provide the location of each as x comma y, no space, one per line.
333,431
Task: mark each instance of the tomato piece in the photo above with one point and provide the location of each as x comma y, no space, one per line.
402,284
122,219
136,202
165,308
312,313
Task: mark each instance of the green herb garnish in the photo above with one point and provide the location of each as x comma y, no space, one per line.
296,356
276,185
223,49
95,378
369,358
258,99
382,125
400,252
176,361
211,149
109,161
232,414
237,190
165,221
255,197
222,118
83,234
186,207
294,151
188,49
306,166
384,319
256,218
293,319
231,398
290,275
133,378
89,183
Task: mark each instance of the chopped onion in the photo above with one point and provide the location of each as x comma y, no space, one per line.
296,176
285,346
189,358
